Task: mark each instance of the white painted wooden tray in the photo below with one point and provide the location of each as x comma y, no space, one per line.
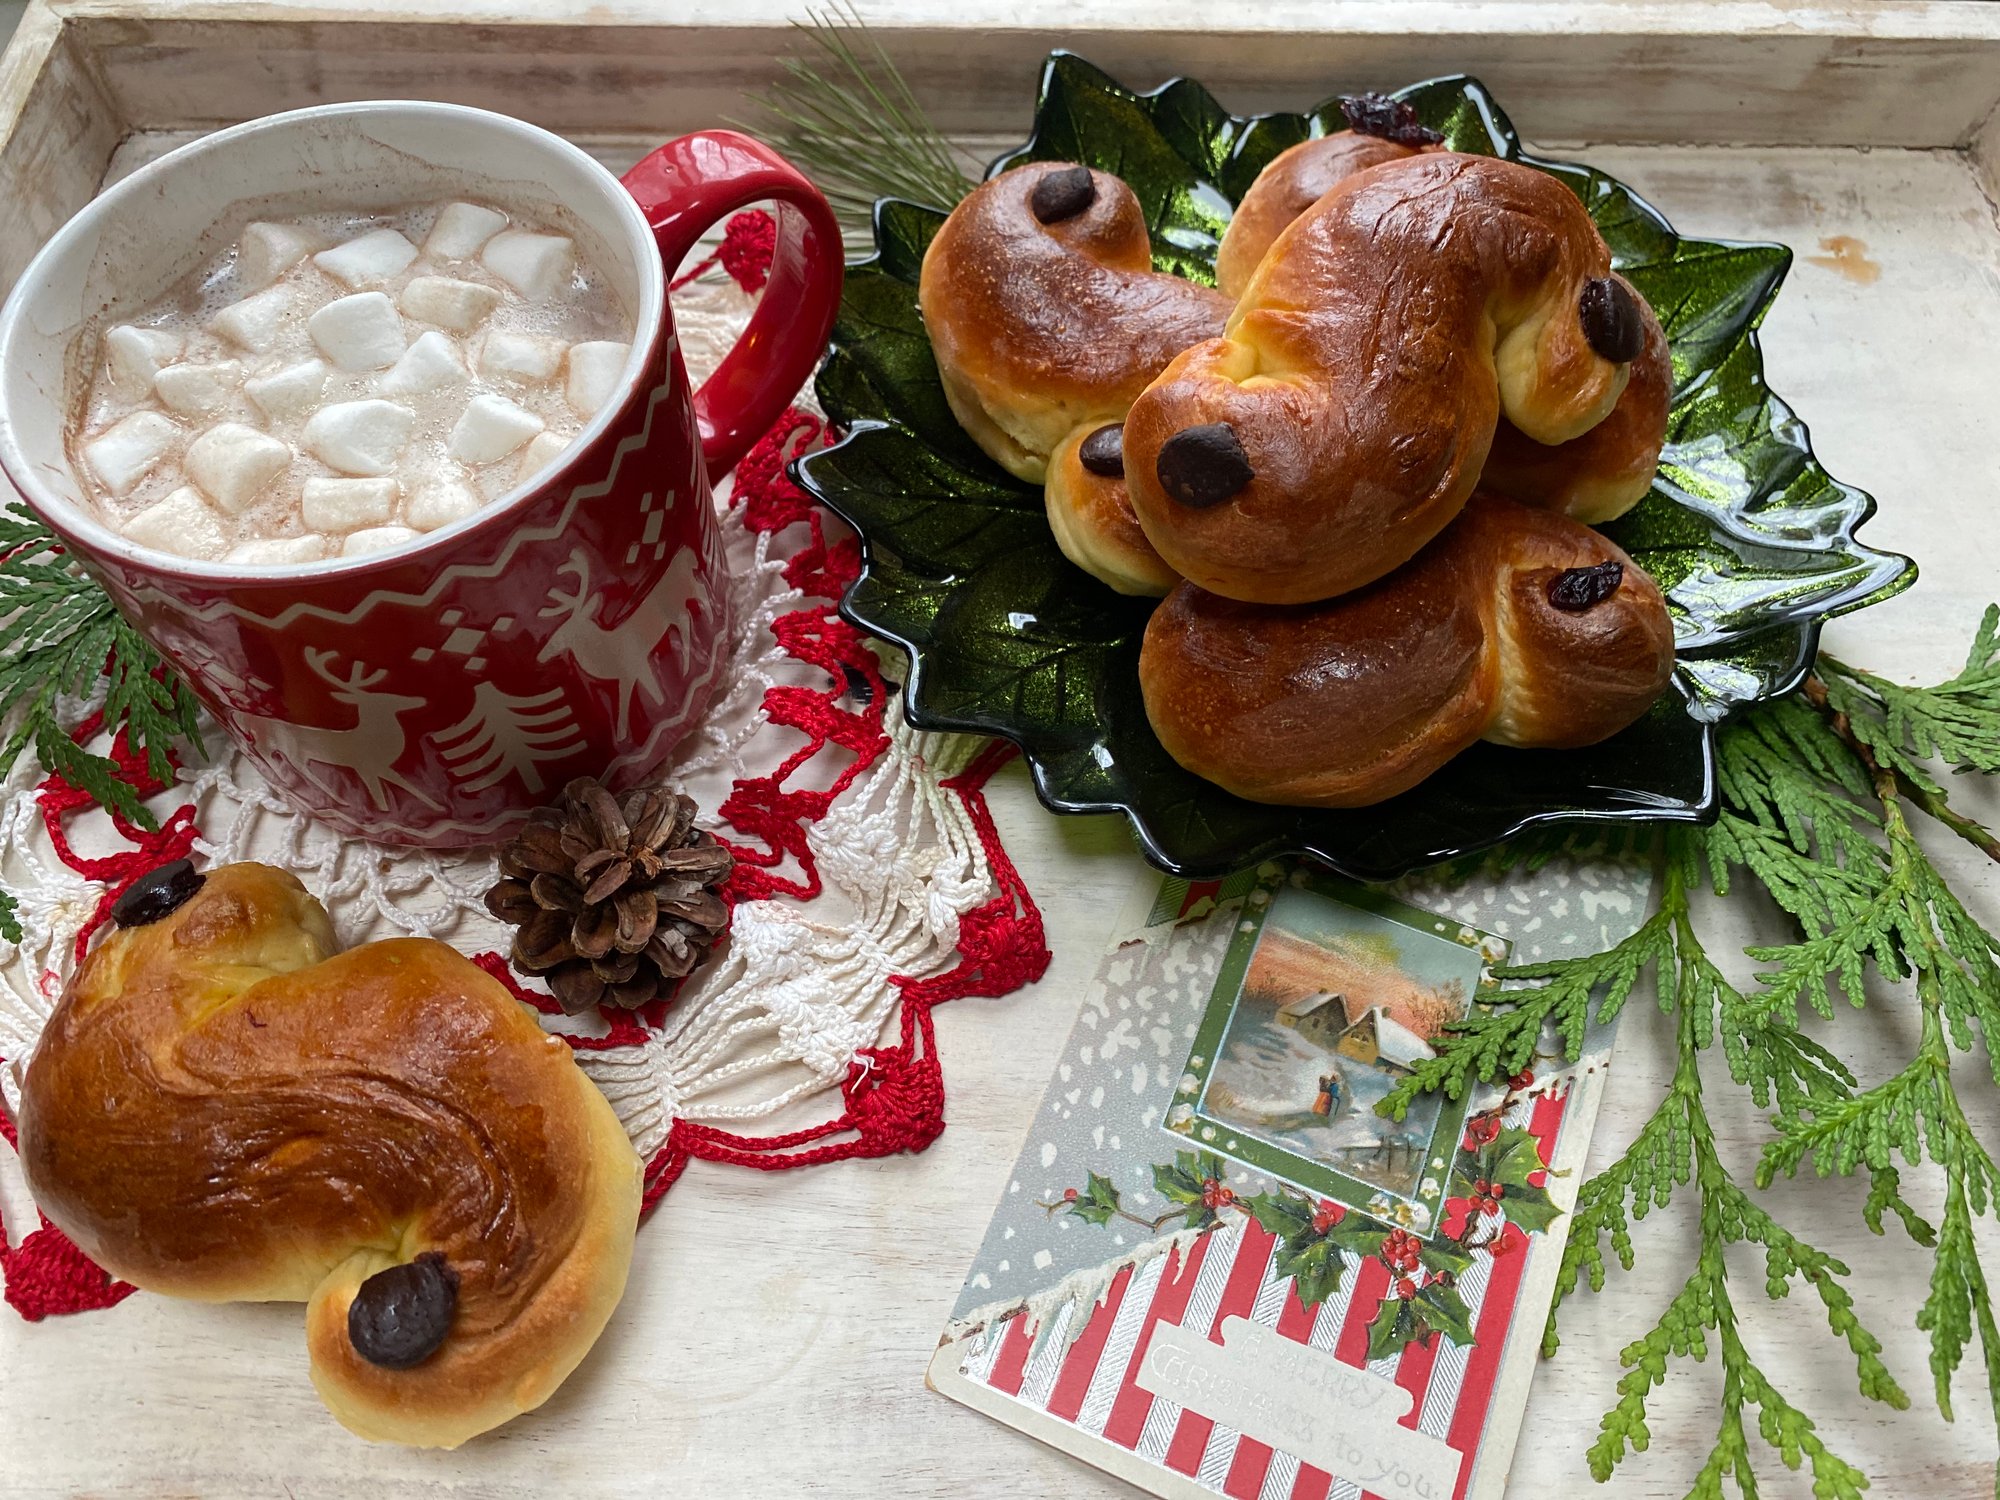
776,1331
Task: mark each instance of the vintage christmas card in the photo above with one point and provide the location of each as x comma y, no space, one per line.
1242,1253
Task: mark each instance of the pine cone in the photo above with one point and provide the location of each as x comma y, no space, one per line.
612,901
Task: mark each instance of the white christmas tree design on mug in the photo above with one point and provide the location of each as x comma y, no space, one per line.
507,736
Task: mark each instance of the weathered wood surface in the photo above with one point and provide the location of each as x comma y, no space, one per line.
1908,73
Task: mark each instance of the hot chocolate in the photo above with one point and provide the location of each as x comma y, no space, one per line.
339,384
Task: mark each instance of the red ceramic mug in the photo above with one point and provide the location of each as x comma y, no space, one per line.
435,693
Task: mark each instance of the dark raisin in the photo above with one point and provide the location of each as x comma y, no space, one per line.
399,1316
1103,452
858,686
1577,589
1203,466
1391,119
1611,322
156,894
1063,195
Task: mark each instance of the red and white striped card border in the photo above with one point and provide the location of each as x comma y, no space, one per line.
1081,1394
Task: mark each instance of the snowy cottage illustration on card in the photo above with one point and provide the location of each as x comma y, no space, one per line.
1322,1005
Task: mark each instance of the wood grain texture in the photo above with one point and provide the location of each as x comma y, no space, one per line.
1896,72
776,1331
57,132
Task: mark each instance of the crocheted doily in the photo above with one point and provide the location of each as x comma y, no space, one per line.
870,883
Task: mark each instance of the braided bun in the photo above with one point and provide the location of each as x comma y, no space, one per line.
224,1108
1601,475
1091,514
1293,181
1045,312
1593,478
1344,418
1517,626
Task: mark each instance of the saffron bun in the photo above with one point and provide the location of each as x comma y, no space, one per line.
1344,417
224,1107
1593,478
1517,626
1292,182
1045,313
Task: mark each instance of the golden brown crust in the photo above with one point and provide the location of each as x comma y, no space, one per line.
1568,677
1348,702
1593,478
1365,368
1042,328
1292,182
1091,516
221,1109
1601,475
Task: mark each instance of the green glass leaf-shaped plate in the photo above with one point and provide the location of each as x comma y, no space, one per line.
1751,539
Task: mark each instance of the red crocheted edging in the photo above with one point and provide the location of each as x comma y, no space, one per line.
893,1097
151,848
46,1273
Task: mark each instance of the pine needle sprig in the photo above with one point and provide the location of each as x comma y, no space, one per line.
1676,1148
61,642
844,113
1504,1037
1815,790
1796,815
1956,721
1916,1113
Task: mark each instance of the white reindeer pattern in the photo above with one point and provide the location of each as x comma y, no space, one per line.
624,654
369,749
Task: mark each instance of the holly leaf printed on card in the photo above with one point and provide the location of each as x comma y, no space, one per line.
1097,1204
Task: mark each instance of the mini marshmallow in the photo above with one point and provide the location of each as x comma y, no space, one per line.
256,322
525,358
594,368
136,354
181,524
360,437
348,504
361,332
267,251
377,539
230,463
198,390
491,428
442,502
460,230
460,306
429,364
530,263
543,449
126,451
277,551
291,392
368,259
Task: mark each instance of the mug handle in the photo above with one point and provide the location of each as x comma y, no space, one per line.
684,189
